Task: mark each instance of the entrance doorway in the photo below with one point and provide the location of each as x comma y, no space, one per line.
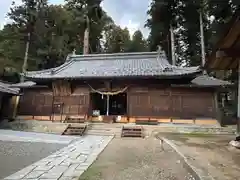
99,103
118,104
109,105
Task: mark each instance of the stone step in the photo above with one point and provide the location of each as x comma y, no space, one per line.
74,121
77,127
75,130
132,135
73,134
147,122
102,125
103,132
132,131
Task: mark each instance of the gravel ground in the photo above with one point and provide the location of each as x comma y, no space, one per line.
137,159
211,154
16,155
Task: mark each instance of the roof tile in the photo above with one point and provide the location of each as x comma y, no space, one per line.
114,65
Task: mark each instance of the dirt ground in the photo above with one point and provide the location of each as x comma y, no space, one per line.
137,159
210,154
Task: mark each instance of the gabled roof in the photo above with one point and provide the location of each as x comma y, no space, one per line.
205,80
5,88
25,84
144,64
229,40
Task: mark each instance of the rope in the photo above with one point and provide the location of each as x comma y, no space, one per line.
108,93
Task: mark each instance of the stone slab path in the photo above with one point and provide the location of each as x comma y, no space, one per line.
20,136
66,164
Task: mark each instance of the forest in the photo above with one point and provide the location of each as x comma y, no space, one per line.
54,31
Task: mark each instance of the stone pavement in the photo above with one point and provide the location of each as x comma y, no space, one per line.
66,164
20,136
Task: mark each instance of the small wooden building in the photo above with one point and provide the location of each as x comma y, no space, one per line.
127,87
7,100
226,54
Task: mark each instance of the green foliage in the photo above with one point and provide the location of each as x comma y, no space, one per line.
56,30
138,43
184,16
116,39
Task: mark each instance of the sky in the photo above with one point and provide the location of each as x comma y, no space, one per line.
126,13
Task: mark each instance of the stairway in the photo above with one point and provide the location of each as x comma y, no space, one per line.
75,119
132,131
102,129
146,121
75,130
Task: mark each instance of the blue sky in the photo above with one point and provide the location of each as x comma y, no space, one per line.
126,13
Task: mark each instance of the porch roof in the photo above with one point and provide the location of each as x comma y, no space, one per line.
5,88
226,52
144,64
25,84
205,80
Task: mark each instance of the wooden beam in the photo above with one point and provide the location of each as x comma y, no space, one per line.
234,64
231,35
229,52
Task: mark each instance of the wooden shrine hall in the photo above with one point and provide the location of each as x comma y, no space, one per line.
121,87
226,54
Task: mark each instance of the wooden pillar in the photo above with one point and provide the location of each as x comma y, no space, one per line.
202,38
107,105
218,113
238,111
86,37
128,105
172,45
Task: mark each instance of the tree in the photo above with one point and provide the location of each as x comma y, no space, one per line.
11,47
56,30
25,17
162,13
183,15
138,43
191,32
94,13
56,39
116,40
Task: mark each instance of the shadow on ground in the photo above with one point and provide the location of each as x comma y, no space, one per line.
137,159
211,154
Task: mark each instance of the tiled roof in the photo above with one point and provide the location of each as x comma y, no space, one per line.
205,80
144,64
4,88
23,84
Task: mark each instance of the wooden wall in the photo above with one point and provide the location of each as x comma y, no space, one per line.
7,105
36,102
42,102
75,104
171,103
153,101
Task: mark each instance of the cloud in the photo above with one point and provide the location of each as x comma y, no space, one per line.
128,13
5,7
3,11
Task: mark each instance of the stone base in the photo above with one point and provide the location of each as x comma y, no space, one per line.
235,144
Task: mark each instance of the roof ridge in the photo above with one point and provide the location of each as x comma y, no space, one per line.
62,67
52,70
112,55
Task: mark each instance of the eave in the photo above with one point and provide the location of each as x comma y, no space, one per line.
190,75
226,53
